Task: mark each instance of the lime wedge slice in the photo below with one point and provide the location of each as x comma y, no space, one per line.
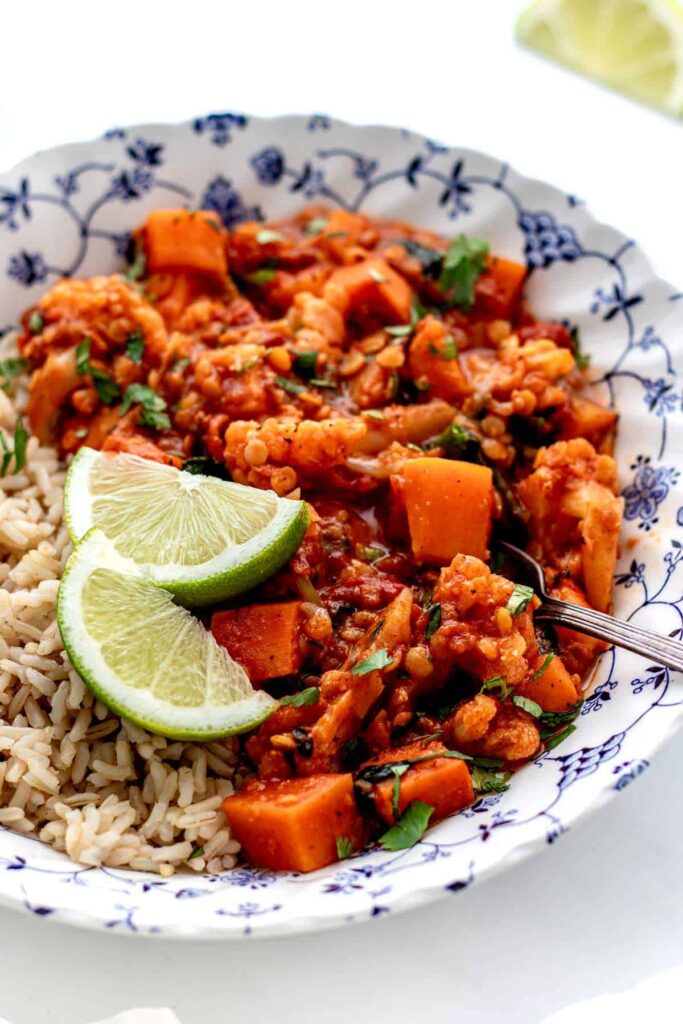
145,657
635,46
202,538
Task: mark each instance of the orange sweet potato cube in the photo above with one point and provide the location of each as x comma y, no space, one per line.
185,239
443,783
263,638
375,284
449,505
294,824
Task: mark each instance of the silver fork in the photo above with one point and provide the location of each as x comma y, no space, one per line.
662,650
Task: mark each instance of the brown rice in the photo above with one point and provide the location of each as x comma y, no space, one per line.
72,773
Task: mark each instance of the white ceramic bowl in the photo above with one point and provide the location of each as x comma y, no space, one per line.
69,210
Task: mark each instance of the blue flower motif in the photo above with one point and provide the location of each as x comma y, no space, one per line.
114,133
635,768
319,122
657,676
365,168
614,301
310,182
635,574
131,184
679,516
435,148
649,339
147,154
68,183
225,200
659,397
649,489
269,165
27,268
454,194
546,241
251,878
599,697
12,203
220,126
121,242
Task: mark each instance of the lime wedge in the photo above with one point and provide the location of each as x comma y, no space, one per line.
145,657
636,46
202,538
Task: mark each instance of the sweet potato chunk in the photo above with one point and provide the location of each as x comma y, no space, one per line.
263,638
449,506
444,783
555,689
433,358
375,284
192,240
294,824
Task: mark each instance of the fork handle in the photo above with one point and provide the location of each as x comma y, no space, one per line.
662,650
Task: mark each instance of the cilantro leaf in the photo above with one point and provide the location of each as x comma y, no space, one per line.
541,669
289,385
459,443
154,419
315,225
497,683
197,852
560,737
137,268
409,828
550,720
202,465
152,412
307,697
107,389
135,346
305,362
448,351
376,660
35,322
581,359
528,705
322,382
18,452
463,264
262,276
434,620
486,781
519,599
345,847
430,260
265,236
83,355
12,368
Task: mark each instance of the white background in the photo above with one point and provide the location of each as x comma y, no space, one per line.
602,909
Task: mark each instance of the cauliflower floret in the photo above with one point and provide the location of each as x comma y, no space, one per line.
489,728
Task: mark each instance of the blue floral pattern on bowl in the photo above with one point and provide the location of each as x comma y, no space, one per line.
70,211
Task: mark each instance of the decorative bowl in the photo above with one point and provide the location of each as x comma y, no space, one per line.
68,210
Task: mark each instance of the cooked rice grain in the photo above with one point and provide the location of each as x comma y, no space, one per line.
103,790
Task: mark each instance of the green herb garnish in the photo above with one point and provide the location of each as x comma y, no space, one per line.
315,225
519,599
345,848
541,669
135,346
35,322
305,362
486,781
376,276
409,828
434,622
304,698
265,236
197,852
560,737
83,356
262,276
497,683
323,382
459,443
581,359
289,385
447,352
10,368
551,720
107,389
138,267
202,465
528,705
152,406
18,453
463,264
377,660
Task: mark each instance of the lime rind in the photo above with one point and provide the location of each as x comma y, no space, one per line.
279,524
147,628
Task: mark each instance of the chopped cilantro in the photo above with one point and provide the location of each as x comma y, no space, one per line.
409,828
541,669
266,236
179,365
459,443
289,385
309,696
463,264
18,453
137,268
369,554
35,322
414,447
497,559
345,847
262,276
581,359
447,352
560,737
107,389
497,683
376,276
307,591
519,599
305,362
323,382
135,346
315,225
11,368
376,660
528,705
434,622
197,852
202,465
486,781
83,356
430,260
152,406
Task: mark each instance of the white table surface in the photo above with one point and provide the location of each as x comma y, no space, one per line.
602,909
